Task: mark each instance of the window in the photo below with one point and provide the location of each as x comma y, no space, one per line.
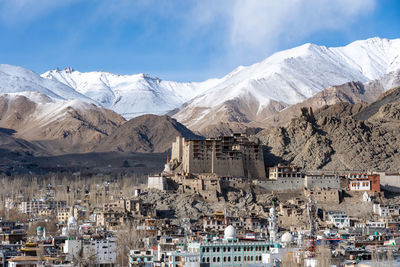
229,259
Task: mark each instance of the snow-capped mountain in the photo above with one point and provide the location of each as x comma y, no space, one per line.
250,94
14,79
247,95
130,95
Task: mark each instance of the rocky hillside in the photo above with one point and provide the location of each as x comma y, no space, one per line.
60,127
332,140
57,126
10,143
147,133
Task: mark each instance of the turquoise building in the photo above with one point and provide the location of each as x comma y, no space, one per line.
230,251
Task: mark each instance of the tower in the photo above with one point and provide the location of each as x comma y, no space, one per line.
272,225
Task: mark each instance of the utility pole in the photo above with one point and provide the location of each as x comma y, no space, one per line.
312,217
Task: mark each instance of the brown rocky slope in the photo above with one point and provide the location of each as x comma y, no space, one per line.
146,133
329,140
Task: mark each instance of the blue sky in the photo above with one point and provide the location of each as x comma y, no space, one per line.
183,40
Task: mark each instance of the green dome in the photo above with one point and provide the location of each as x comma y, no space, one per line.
39,228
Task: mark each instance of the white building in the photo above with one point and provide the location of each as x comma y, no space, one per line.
386,210
360,185
376,224
339,219
103,250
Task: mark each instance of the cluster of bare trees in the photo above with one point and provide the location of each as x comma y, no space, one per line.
70,187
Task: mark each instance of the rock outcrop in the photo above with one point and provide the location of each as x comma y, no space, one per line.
331,140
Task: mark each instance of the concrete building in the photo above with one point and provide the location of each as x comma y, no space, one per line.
364,182
386,210
231,155
141,257
339,219
230,251
187,259
33,207
103,251
282,171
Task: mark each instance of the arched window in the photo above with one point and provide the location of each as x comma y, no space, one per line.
204,249
224,259
224,249
239,258
214,249
208,249
204,260
235,258
214,259
229,249
229,259
218,259
208,259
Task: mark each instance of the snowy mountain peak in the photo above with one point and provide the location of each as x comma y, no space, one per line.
129,95
291,76
286,77
14,79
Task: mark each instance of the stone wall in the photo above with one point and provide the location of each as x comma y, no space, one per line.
282,184
157,182
390,182
322,181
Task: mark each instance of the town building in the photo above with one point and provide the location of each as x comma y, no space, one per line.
103,251
231,155
230,251
363,182
386,210
339,219
284,171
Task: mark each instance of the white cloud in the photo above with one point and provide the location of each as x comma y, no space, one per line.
260,26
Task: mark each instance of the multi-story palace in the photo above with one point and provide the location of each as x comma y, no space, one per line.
231,155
